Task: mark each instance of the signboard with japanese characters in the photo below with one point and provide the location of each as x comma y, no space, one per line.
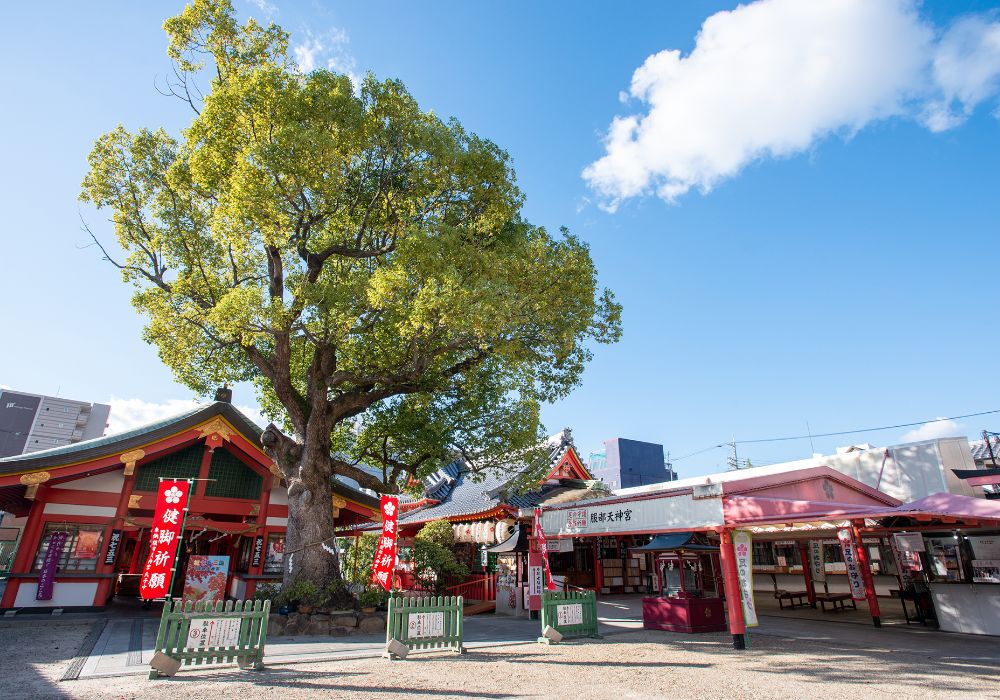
213,632
165,536
744,569
47,574
648,515
425,625
258,551
113,543
563,545
569,614
849,549
384,564
536,580
817,562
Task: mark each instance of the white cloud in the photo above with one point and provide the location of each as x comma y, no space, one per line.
966,68
940,428
771,78
132,413
265,7
328,50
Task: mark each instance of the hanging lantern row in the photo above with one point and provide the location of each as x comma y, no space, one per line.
485,532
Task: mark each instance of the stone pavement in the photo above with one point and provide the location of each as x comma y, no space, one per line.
125,646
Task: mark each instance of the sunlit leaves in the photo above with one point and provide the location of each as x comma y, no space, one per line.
354,256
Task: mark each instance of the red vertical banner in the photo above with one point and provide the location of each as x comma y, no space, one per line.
539,573
384,564
165,536
550,585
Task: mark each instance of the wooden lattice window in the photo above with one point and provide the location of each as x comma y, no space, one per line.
231,478
183,464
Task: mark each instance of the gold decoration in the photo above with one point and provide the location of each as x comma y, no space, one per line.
216,426
129,459
274,470
32,481
255,509
338,502
133,501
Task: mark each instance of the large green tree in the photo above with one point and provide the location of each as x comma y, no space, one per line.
364,263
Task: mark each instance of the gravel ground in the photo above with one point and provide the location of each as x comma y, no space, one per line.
33,658
632,665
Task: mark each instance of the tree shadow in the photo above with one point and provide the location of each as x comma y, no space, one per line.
309,680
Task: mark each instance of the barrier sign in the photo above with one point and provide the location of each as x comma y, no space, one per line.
569,614
214,632
429,624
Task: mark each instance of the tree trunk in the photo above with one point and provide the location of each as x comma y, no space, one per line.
310,546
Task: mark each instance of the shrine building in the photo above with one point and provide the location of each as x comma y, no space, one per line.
102,492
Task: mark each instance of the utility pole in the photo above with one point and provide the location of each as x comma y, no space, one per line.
989,446
734,462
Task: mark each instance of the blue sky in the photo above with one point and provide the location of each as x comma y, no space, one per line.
793,240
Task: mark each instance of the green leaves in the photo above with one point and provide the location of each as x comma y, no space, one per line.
363,262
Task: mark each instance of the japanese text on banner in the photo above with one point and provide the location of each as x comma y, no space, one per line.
743,547
851,562
384,564
165,536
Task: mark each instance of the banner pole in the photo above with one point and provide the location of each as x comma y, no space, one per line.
180,537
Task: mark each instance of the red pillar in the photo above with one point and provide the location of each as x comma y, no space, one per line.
105,589
27,548
731,581
807,572
866,576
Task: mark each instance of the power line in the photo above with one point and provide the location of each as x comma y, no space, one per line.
869,430
836,433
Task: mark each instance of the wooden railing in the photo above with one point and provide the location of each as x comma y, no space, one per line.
480,588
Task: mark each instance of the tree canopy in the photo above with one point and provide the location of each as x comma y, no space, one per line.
363,262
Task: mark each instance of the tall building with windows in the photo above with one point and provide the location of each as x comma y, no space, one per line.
31,422
626,463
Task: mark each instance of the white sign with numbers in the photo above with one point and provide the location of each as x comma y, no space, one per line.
213,632
425,625
569,614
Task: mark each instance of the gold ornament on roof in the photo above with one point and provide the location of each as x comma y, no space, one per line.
216,426
129,459
133,501
32,481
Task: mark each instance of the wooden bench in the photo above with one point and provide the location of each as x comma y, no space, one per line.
838,601
802,598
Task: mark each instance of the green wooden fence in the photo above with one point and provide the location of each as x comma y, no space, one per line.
433,622
205,633
571,613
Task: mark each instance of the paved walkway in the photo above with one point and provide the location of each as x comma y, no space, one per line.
125,646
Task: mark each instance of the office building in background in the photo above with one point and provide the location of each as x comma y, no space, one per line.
30,422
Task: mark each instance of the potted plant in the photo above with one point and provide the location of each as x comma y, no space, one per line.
370,599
